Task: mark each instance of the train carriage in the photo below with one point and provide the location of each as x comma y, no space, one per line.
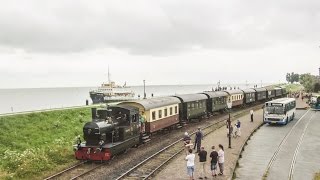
284,91
271,92
278,91
192,106
160,113
235,97
217,100
249,96
261,94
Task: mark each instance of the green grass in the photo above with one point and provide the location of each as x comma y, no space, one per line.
35,144
294,88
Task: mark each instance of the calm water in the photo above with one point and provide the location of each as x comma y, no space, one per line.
17,100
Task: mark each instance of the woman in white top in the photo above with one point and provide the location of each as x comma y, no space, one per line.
221,159
190,164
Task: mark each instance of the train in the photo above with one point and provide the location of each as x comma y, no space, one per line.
114,129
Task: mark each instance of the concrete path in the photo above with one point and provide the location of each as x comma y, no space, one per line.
261,148
298,156
177,168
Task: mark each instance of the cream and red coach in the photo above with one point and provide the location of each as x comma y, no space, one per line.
160,113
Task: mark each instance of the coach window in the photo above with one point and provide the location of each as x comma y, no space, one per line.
176,109
165,112
153,115
160,114
170,110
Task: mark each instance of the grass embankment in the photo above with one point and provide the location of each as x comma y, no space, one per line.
33,145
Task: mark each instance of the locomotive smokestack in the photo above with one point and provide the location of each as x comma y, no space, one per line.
94,113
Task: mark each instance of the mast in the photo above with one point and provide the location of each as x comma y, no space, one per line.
108,75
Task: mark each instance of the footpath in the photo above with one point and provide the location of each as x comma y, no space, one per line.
177,169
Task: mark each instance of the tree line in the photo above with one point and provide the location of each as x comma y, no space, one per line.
310,82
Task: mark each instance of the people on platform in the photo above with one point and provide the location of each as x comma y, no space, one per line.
190,164
238,125
187,142
251,115
221,159
214,161
203,163
199,138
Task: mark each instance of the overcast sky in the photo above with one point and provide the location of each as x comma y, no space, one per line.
72,42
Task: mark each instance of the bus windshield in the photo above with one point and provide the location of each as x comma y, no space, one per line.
275,110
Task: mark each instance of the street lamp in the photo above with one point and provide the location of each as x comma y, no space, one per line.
229,104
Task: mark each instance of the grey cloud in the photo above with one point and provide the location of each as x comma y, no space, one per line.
156,28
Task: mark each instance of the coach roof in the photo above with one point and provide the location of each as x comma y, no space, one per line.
191,97
230,92
212,94
154,102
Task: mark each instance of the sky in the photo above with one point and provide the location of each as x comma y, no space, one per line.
72,43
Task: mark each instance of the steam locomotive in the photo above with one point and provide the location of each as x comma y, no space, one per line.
116,128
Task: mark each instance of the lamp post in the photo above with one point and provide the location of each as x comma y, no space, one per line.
144,89
229,104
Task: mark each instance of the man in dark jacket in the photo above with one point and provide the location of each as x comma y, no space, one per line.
199,137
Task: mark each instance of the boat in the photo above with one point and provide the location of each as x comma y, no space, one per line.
111,92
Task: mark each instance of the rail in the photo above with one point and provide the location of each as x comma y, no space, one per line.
275,155
155,162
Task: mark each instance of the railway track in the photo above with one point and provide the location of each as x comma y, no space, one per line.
294,158
75,171
284,140
148,167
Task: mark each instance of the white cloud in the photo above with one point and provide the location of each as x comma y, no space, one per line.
71,43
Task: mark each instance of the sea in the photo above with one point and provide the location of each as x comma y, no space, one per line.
29,99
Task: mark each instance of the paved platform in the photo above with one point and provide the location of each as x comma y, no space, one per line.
296,146
177,168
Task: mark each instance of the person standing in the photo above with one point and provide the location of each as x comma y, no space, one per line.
142,121
251,114
203,163
221,159
187,142
190,164
199,137
238,128
214,161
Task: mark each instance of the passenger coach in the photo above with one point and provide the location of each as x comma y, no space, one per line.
217,101
271,92
278,91
192,106
261,94
235,97
160,112
249,96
